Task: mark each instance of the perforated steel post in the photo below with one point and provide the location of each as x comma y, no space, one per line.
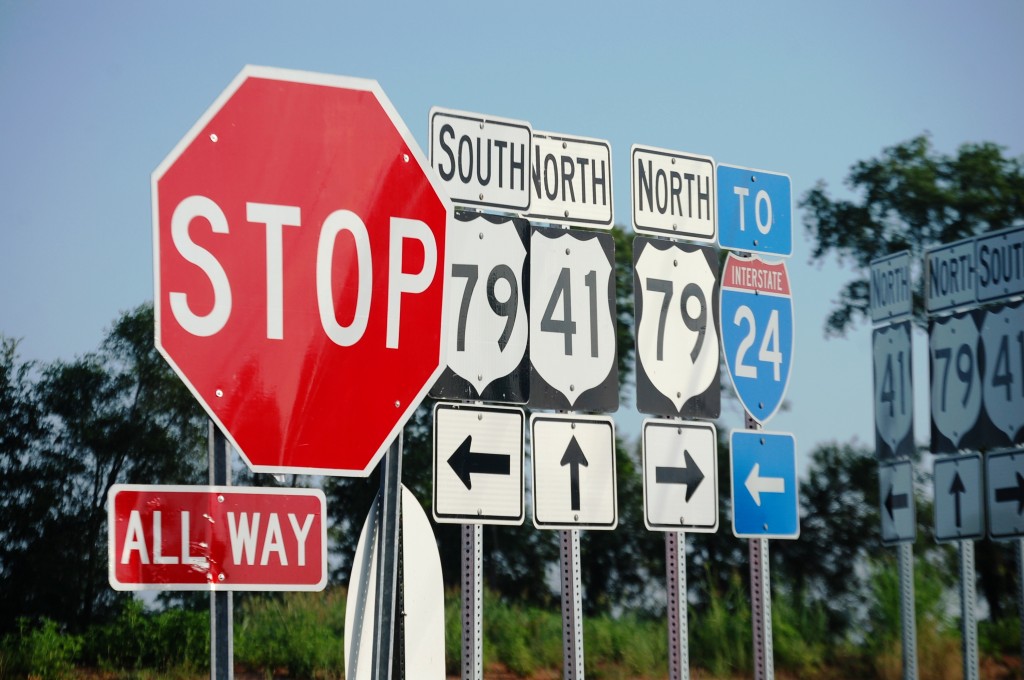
968,617
761,609
472,602
222,646
678,629
389,509
572,606
907,615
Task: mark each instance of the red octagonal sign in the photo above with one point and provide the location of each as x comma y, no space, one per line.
299,239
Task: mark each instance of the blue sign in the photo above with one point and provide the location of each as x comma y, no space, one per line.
764,487
756,312
755,211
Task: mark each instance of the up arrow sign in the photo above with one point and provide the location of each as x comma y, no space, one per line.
757,485
574,458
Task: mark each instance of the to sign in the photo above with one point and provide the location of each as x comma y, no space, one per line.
673,194
894,389
482,160
216,538
478,464
896,489
572,321
891,296
300,246
488,352
757,332
959,498
1004,497
571,180
675,286
680,467
755,213
765,501
574,484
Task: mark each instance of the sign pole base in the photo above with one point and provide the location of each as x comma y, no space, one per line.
907,615
222,647
968,617
678,624
761,609
472,602
572,606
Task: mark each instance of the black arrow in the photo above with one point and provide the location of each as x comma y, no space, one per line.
690,475
574,458
1012,493
899,501
957,488
465,461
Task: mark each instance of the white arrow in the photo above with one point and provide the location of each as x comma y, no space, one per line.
756,484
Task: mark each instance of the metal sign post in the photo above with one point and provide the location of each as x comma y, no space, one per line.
572,606
389,517
678,624
472,602
761,598
968,617
222,648
907,615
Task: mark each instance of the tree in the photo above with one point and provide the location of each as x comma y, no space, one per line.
118,415
911,198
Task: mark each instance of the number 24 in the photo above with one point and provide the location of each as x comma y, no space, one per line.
768,352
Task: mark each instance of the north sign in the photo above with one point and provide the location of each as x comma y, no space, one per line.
673,194
680,473
765,498
478,464
675,286
571,180
949,276
216,538
756,310
573,463
755,210
299,247
891,295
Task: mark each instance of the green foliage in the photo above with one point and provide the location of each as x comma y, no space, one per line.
800,636
41,651
721,638
300,632
136,639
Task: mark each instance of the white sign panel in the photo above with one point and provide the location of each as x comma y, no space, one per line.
482,160
478,464
574,483
571,180
1004,497
949,276
891,294
1000,258
959,498
955,376
896,488
673,194
1002,336
894,389
680,469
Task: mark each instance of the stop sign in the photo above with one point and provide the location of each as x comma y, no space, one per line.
299,239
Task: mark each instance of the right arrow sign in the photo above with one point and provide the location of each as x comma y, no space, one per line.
764,487
680,468
1005,495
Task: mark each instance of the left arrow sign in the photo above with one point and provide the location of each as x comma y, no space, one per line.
757,485
465,461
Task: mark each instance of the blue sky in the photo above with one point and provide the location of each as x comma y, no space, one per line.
95,95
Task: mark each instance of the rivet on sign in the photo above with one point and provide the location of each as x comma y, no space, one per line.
675,263
682,521
481,125
479,511
572,388
220,499
679,430
481,197
573,425
760,404
566,213
755,241
753,178
220,577
405,157
209,576
678,395
762,441
576,518
566,251
674,227
479,377
397,404
673,161
481,236
213,137
564,145
766,527
479,416
220,393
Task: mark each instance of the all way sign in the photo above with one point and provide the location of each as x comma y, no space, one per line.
216,538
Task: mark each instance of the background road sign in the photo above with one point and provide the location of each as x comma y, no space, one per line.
892,297
572,321
571,180
755,211
765,499
216,538
949,276
896,491
574,483
959,498
953,344
1000,258
757,332
680,468
482,160
675,286
673,194
1002,340
894,389
1004,495
478,464
300,244
486,297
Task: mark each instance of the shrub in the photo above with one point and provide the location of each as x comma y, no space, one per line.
42,651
